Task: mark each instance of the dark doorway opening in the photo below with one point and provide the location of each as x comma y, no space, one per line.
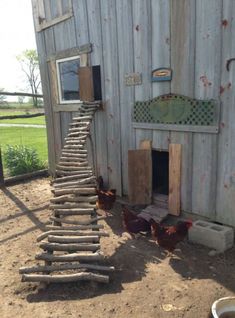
160,162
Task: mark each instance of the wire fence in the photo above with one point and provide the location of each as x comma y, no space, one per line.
21,129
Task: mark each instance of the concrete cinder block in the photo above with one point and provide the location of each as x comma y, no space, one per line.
218,237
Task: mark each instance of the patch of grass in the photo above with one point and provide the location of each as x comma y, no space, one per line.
11,112
12,105
31,121
31,137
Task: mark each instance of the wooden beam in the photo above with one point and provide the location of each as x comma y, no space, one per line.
170,127
70,257
72,247
68,232
20,94
65,267
73,222
73,239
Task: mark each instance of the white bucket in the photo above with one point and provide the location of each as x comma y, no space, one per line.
222,306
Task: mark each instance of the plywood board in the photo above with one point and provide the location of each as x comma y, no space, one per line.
140,176
86,84
175,151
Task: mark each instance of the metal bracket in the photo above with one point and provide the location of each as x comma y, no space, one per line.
228,63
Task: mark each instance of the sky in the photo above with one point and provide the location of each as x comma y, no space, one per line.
16,35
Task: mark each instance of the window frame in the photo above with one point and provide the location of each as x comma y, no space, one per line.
57,61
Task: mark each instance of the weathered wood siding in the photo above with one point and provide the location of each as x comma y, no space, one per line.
194,38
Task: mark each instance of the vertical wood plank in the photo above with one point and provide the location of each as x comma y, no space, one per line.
52,87
81,21
142,134
47,9
111,97
54,101
142,48
100,121
160,12
140,176
186,140
161,140
174,179
43,50
126,65
207,85
183,20
225,210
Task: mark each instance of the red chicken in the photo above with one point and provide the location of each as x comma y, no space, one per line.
168,236
132,223
106,198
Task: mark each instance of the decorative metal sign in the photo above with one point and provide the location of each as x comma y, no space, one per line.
133,79
161,74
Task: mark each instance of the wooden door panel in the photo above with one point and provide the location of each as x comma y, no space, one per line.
140,176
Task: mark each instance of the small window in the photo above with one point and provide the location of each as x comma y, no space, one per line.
68,79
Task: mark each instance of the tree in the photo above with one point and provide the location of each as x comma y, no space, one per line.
21,99
3,98
30,66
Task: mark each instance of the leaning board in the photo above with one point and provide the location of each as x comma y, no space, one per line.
140,176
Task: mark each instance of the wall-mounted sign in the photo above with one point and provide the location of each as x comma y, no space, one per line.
133,79
161,74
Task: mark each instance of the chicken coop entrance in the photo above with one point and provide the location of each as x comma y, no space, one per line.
160,174
151,171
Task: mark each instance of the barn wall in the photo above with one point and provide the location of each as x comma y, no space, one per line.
139,36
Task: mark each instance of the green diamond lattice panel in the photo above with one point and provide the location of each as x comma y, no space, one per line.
177,110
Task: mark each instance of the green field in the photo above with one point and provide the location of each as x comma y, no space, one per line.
32,121
30,137
13,112
9,112
16,105
27,136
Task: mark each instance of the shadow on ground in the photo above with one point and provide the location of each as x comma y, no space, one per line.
131,258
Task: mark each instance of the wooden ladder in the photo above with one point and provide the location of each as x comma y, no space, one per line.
72,243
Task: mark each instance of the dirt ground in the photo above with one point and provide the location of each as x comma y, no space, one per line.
146,283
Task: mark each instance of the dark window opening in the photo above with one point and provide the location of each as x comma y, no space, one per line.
160,162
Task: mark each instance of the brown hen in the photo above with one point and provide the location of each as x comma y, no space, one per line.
168,236
132,223
106,198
